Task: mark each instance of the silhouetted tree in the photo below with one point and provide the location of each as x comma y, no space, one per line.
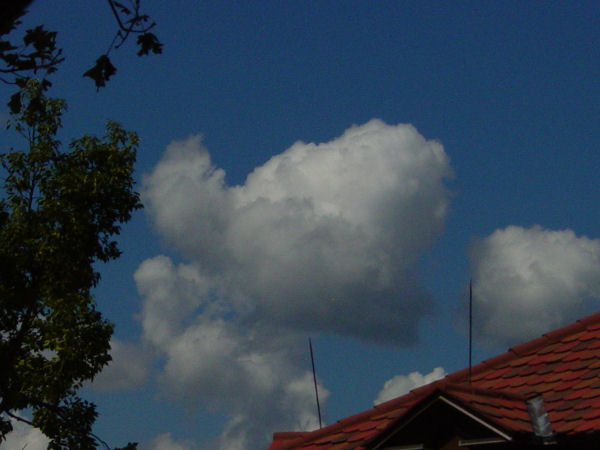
59,213
38,56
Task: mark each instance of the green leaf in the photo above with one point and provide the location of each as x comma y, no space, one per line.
148,42
6,46
15,103
101,71
59,215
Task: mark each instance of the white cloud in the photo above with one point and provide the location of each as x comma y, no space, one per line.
128,369
342,220
322,237
529,281
250,371
172,295
293,407
166,442
402,384
26,437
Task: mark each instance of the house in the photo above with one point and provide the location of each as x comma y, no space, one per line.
543,393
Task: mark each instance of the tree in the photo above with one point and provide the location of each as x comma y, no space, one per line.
59,213
58,217
39,55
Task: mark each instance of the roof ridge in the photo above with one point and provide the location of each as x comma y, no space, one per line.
525,348
589,320
294,437
421,391
553,336
288,438
470,388
339,424
397,402
451,391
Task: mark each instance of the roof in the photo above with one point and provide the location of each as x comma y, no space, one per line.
562,366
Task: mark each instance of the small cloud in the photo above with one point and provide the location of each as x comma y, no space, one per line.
402,384
166,442
527,281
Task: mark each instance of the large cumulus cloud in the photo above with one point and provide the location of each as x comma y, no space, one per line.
321,238
530,280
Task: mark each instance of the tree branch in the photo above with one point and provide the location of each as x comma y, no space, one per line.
20,419
136,20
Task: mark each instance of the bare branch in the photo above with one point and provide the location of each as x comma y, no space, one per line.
18,418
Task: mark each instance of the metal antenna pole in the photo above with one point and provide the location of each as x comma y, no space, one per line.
470,327
312,360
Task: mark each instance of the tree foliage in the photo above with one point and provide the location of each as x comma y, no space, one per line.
37,55
59,215
60,210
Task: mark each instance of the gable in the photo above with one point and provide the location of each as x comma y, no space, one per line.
441,422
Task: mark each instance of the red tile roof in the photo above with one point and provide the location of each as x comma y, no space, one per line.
562,366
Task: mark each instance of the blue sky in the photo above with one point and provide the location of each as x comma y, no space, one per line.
282,210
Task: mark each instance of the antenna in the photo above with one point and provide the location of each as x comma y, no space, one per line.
312,360
470,327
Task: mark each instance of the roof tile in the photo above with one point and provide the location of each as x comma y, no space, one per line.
563,366
528,347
